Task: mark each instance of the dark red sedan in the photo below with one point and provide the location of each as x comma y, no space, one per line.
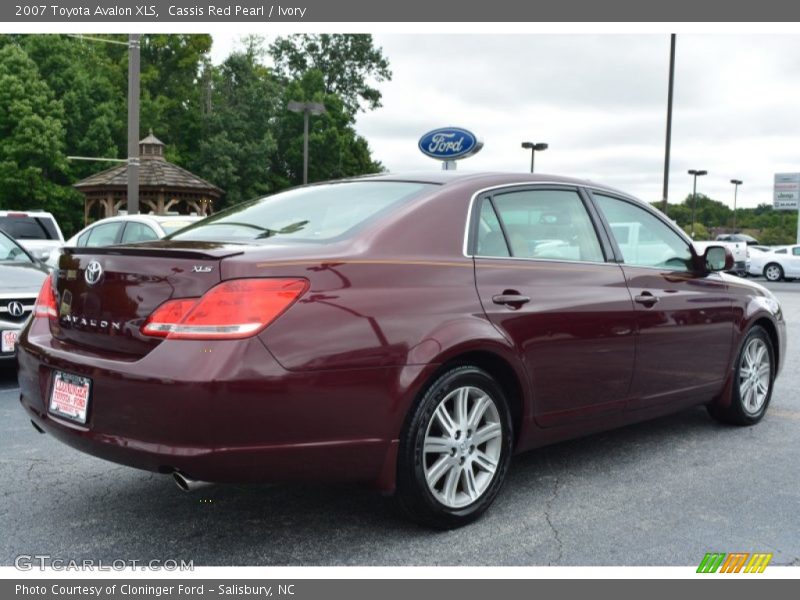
409,331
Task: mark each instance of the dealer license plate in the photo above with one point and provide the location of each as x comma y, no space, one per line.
70,396
9,340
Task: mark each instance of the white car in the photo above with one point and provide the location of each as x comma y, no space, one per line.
781,262
125,229
35,230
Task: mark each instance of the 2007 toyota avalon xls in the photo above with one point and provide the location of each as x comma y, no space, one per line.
409,331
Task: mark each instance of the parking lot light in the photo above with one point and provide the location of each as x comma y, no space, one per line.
736,183
696,173
534,147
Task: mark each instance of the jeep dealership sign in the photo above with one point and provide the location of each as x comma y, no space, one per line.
786,194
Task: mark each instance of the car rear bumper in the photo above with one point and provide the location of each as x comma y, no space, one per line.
233,414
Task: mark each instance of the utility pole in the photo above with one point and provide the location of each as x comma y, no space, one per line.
668,140
134,45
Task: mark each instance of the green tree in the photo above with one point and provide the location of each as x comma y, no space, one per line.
172,91
85,77
237,143
335,149
33,172
349,65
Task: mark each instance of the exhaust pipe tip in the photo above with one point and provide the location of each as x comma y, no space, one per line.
187,484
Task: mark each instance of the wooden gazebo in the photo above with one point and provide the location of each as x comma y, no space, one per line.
163,187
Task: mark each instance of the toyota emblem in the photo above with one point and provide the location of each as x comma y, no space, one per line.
15,309
93,272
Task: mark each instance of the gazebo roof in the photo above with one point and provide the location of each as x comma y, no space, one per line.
155,173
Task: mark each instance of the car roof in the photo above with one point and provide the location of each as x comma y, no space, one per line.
483,179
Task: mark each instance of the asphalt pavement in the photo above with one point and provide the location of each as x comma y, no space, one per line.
658,493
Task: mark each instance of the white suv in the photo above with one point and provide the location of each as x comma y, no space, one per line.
37,231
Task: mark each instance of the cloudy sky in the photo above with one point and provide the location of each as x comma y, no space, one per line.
599,101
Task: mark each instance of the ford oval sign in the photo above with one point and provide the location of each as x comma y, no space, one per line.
449,143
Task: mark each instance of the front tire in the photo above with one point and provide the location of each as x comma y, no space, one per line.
455,450
753,379
773,272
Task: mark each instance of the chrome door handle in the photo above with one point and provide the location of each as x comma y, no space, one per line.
646,299
512,300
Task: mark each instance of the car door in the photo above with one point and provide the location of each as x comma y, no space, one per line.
792,261
684,317
544,280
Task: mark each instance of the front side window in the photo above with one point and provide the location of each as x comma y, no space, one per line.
643,239
796,250
549,224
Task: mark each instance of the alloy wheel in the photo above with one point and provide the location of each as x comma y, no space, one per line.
773,273
754,376
462,447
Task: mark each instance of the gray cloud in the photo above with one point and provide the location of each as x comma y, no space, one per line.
600,102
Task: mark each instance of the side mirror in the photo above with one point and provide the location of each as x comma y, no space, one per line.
44,255
718,258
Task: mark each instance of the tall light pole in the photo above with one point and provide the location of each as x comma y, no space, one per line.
307,108
696,173
668,140
736,183
133,123
539,147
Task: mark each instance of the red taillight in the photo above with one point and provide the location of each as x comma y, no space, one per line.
45,307
233,309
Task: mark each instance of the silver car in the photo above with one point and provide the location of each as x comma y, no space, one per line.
21,278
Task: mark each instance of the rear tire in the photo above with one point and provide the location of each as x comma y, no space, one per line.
753,380
455,450
773,272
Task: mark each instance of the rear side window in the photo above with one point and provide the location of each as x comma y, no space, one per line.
491,241
138,232
103,235
315,213
550,224
29,228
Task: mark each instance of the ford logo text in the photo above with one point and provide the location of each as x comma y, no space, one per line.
449,143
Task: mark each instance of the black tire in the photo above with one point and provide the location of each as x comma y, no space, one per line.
773,268
414,495
738,412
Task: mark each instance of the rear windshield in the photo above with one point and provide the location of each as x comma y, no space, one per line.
29,228
317,213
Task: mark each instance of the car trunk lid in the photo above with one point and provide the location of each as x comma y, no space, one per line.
104,295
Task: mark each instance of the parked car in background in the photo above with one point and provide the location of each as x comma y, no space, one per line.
37,231
737,237
738,250
125,229
412,332
21,277
781,262
755,266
